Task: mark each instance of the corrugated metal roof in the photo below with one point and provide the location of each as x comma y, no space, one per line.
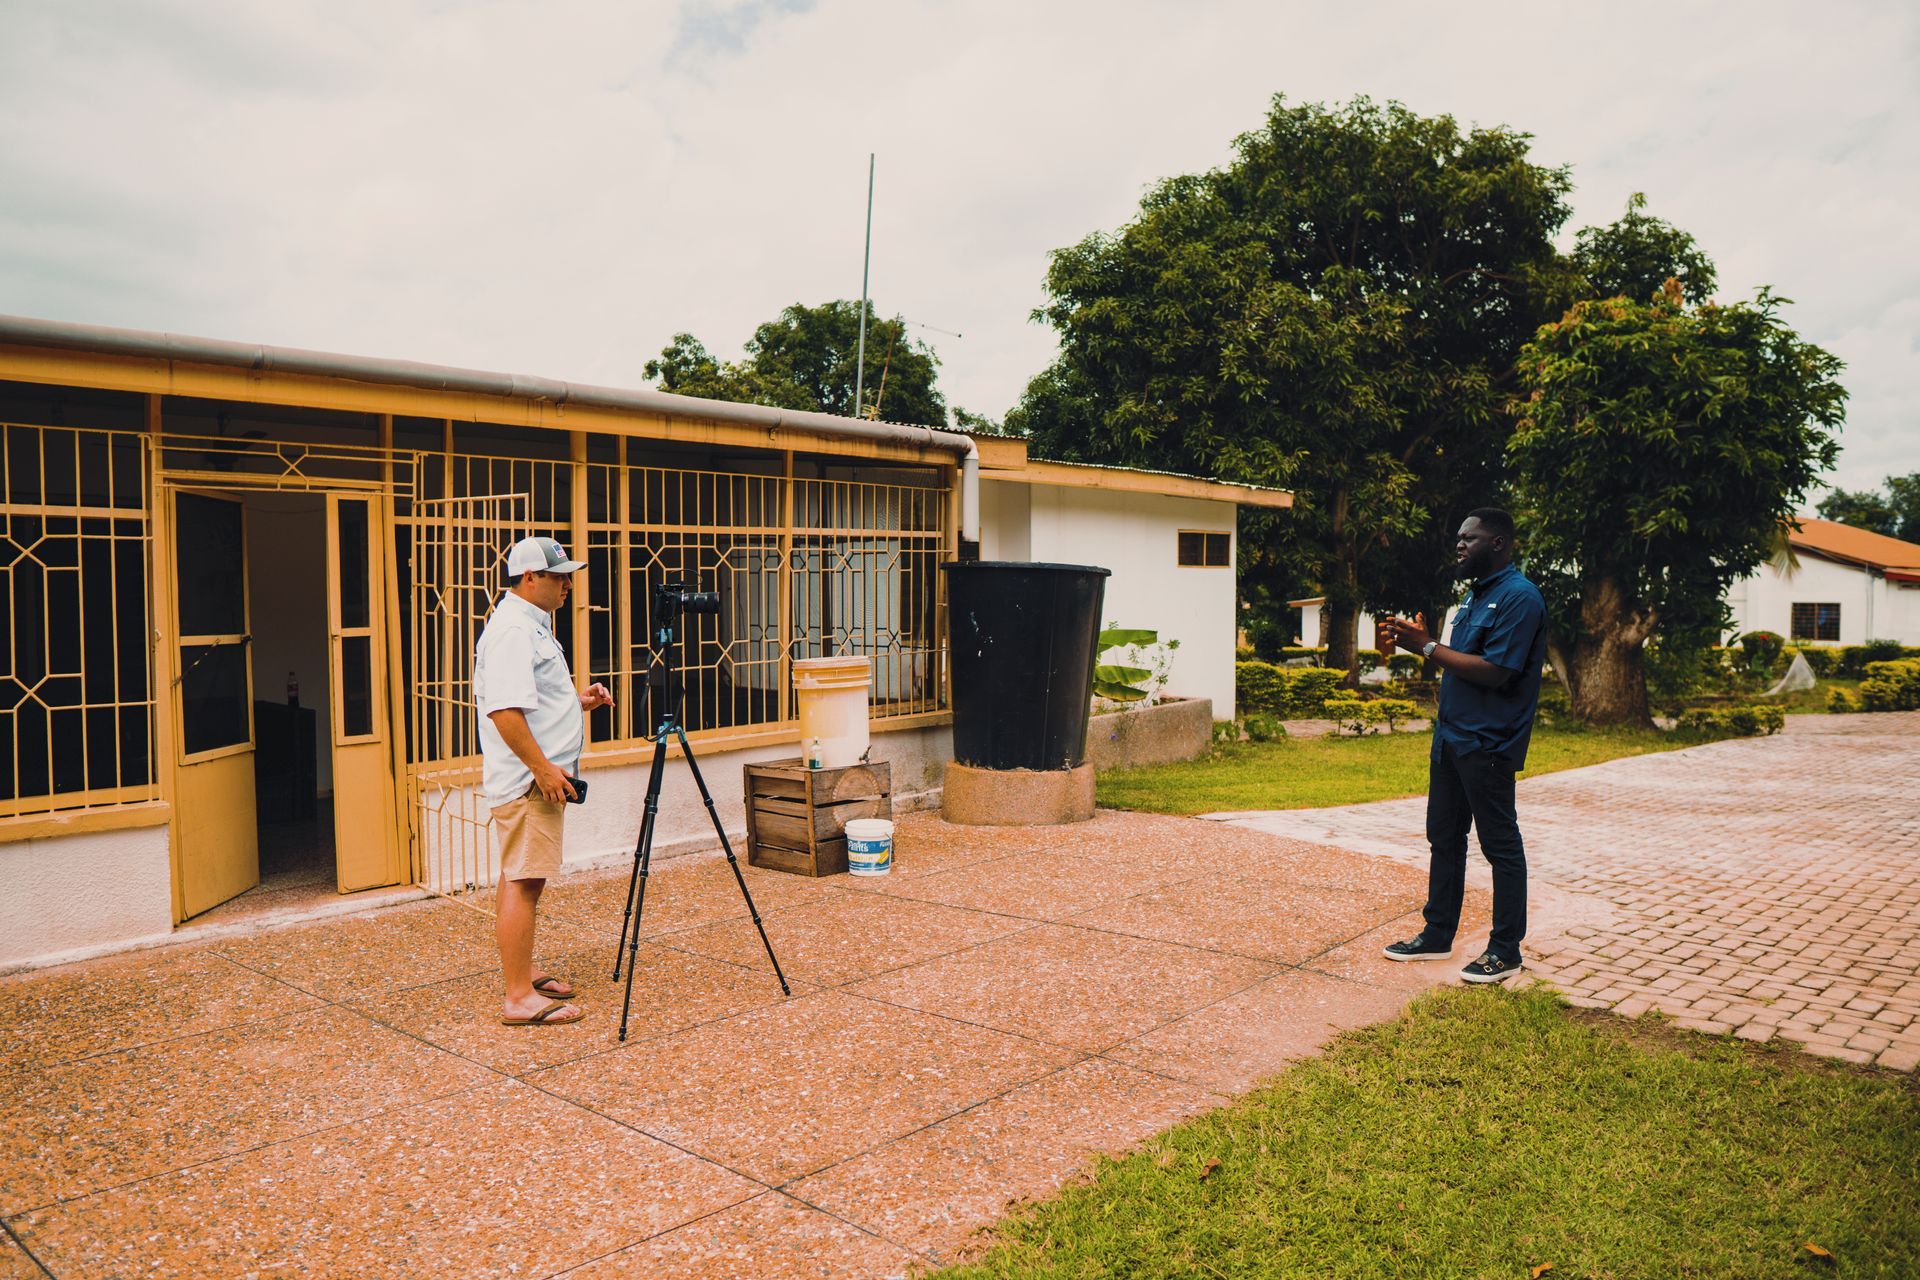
1856,546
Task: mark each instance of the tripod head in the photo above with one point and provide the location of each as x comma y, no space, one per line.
672,600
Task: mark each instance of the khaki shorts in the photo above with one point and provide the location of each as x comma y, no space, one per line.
530,830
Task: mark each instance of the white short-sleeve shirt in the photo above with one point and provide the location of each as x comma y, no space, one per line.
518,663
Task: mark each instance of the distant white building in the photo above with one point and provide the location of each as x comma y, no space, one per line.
1846,586
1169,541
1313,622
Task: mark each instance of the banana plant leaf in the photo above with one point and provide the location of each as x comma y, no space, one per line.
1113,637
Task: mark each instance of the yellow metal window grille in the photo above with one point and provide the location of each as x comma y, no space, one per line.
76,690
802,567
457,565
256,462
865,571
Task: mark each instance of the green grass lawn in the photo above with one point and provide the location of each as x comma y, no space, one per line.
1308,773
1488,1132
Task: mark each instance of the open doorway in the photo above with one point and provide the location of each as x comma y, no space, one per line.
293,767
291,802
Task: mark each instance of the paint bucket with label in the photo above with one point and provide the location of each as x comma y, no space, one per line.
869,846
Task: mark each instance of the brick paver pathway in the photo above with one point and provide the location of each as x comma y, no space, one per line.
1767,886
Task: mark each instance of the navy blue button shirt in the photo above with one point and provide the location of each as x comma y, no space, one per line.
1504,620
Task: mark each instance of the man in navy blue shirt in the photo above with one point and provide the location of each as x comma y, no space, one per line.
1489,692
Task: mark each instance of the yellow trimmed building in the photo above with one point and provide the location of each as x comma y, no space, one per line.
243,586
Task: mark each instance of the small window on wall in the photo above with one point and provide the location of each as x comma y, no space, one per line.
1816,622
1205,550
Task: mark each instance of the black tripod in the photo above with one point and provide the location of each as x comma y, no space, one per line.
668,601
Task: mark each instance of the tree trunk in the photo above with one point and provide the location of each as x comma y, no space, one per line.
1606,664
1343,614
1343,628
1343,594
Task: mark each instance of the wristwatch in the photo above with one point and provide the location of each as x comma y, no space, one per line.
1426,650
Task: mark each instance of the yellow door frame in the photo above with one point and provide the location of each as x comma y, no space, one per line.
163,485
213,764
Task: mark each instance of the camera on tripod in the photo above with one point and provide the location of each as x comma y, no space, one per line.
671,599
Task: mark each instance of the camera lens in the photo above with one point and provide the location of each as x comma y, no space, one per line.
701,601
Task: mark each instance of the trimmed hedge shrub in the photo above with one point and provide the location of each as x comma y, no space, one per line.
1891,686
1840,702
1854,658
1736,722
1403,665
1286,692
1822,660
1394,710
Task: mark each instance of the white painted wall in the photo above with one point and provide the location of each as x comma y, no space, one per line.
66,894
1871,608
1006,520
1137,537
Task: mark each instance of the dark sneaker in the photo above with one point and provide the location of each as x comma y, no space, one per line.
1490,968
1416,948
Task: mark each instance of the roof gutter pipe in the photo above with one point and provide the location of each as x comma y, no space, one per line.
323,364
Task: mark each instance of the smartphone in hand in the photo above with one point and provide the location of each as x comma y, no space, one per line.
579,786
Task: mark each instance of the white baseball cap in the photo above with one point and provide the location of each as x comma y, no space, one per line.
540,555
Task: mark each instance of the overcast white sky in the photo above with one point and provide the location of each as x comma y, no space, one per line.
558,187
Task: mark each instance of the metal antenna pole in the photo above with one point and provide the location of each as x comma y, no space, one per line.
866,259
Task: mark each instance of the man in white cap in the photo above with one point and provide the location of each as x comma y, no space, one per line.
532,729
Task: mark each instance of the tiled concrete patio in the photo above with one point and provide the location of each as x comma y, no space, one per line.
336,1099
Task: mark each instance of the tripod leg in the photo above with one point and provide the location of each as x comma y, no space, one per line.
633,880
637,883
686,749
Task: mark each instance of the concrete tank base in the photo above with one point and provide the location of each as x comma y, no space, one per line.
1017,797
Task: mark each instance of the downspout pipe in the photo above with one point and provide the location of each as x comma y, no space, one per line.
148,345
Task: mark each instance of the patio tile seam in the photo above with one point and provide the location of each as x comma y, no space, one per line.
580,920
631,1127
1014,915
836,986
937,1120
366,993
1222,951
21,1245
728,1208
32,1068
303,1136
1277,966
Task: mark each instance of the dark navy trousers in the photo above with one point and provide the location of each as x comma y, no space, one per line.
1474,789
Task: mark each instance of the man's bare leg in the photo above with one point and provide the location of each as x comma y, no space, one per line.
513,927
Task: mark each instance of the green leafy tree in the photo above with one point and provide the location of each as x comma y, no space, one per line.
806,359
1332,312
1635,256
1893,511
1658,450
1632,257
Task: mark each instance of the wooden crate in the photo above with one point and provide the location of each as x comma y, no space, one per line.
797,817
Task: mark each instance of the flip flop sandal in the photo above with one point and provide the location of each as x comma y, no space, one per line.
547,987
545,1017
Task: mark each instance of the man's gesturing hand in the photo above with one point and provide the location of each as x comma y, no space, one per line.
595,697
1405,635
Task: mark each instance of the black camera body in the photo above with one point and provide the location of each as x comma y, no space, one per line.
671,599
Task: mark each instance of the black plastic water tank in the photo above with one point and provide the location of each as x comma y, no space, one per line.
1023,639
